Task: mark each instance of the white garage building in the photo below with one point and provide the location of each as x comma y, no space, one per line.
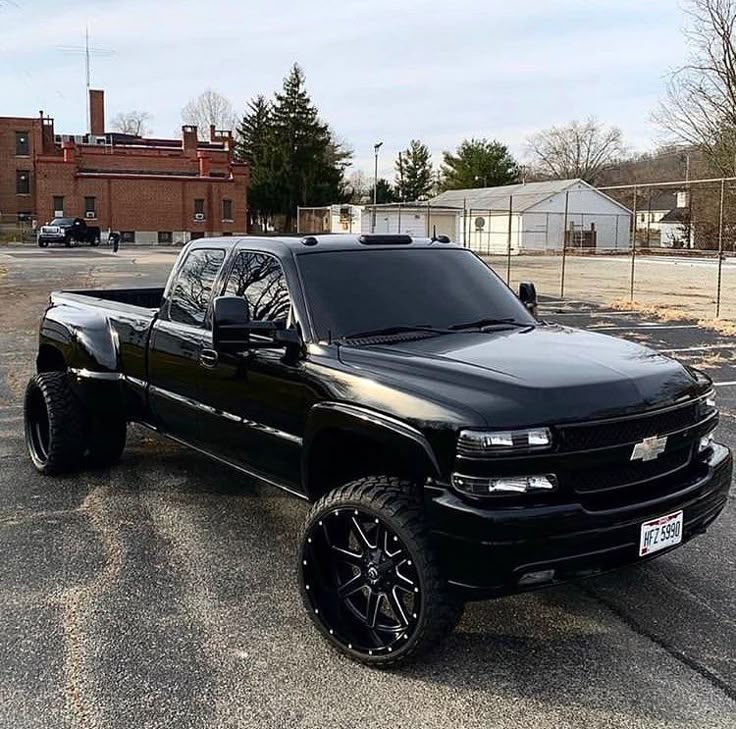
532,216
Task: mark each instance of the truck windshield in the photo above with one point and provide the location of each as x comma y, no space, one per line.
370,290
62,221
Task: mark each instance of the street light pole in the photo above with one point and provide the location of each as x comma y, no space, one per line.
376,147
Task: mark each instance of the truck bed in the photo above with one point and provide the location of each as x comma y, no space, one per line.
143,298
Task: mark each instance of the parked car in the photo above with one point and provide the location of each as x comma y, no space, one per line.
453,446
68,231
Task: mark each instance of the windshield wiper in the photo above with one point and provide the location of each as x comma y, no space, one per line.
395,330
482,323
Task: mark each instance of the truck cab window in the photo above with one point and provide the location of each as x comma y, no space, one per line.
192,289
260,279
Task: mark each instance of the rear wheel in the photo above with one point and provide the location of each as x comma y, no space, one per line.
54,424
368,576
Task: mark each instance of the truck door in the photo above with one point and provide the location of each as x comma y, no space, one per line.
256,401
180,346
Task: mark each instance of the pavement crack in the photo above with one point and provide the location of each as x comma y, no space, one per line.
679,655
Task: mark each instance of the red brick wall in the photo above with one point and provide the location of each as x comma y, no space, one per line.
10,202
143,203
127,194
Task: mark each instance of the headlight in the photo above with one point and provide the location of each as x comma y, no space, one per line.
483,443
486,485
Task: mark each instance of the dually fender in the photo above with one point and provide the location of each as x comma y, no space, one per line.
89,348
386,431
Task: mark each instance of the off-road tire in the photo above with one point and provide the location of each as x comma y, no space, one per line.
106,442
54,424
392,501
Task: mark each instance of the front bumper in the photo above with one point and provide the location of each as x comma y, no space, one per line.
486,551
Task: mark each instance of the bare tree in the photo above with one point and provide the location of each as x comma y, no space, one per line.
133,122
577,150
700,105
210,107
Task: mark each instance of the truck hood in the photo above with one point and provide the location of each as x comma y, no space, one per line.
540,375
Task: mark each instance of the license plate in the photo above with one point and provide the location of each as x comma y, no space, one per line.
657,534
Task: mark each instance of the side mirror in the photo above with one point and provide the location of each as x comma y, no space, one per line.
528,296
232,328
230,324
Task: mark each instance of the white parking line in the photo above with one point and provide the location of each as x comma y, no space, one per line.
724,384
591,313
609,328
698,349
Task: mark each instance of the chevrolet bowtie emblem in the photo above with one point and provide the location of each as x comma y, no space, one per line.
649,448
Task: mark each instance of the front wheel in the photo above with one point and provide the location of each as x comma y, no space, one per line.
368,575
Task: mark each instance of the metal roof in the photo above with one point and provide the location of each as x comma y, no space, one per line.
524,195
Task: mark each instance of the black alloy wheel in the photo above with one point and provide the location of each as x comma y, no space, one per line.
367,573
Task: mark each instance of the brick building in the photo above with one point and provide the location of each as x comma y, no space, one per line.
151,190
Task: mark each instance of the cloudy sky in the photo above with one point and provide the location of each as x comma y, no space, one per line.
384,70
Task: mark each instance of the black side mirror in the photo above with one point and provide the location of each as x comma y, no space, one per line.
232,327
528,296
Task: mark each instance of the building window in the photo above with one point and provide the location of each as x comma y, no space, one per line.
227,210
199,208
90,207
127,236
22,144
58,206
165,236
23,182
25,217
196,235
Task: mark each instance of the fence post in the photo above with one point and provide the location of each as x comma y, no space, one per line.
298,216
398,226
465,215
564,245
720,250
508,248
633,248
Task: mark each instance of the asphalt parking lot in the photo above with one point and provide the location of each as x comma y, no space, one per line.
160,593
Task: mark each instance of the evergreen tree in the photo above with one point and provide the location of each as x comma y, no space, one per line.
384,192
294,157
309,162
479,163
414,179
254,146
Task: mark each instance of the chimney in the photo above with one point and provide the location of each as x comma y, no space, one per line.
70,150
189,137
97,112
204,164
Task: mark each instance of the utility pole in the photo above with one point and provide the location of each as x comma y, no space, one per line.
376,147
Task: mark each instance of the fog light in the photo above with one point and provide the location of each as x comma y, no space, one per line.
484,485
536,578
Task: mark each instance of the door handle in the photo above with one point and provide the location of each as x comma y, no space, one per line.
208,358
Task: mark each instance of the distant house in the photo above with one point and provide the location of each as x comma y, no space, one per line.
531,217
664,220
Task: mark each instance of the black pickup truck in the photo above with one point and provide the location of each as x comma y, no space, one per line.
68,231
454,446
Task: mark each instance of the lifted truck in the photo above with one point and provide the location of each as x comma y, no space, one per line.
68,231
453,446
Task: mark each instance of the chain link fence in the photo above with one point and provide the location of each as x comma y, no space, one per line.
668,245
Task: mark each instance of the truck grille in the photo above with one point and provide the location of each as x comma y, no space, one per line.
597,480
631,430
